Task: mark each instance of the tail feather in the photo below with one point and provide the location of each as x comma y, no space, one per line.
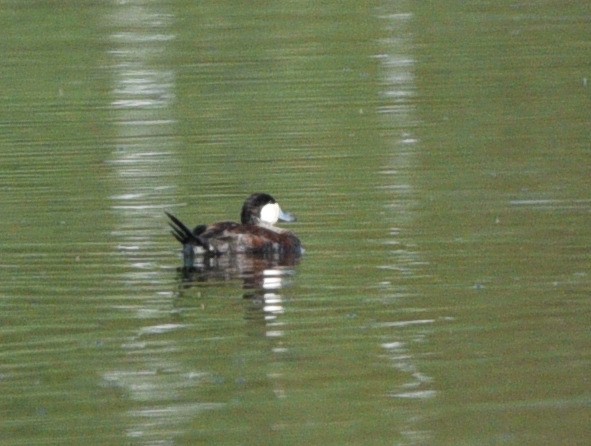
180,231
185,236
178,234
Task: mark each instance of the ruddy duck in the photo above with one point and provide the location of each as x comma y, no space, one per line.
255,234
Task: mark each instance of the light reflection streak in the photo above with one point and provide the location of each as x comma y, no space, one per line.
397,66
142,161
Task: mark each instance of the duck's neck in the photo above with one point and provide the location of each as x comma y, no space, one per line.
270,227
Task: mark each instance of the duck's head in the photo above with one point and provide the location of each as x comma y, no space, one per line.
263,209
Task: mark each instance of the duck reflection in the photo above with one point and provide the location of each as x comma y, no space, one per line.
262,276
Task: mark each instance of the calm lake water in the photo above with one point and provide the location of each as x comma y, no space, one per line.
438,158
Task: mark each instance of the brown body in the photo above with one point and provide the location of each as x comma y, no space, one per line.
235,238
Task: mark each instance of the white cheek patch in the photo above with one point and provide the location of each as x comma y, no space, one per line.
270,213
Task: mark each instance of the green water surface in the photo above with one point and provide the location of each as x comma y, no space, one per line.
437,157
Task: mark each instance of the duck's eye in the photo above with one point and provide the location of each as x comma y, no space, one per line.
270,213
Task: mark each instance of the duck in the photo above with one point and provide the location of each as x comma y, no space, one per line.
256,233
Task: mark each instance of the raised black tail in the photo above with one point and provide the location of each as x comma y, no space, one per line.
187,238
181,232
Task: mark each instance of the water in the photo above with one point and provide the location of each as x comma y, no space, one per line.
437,160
